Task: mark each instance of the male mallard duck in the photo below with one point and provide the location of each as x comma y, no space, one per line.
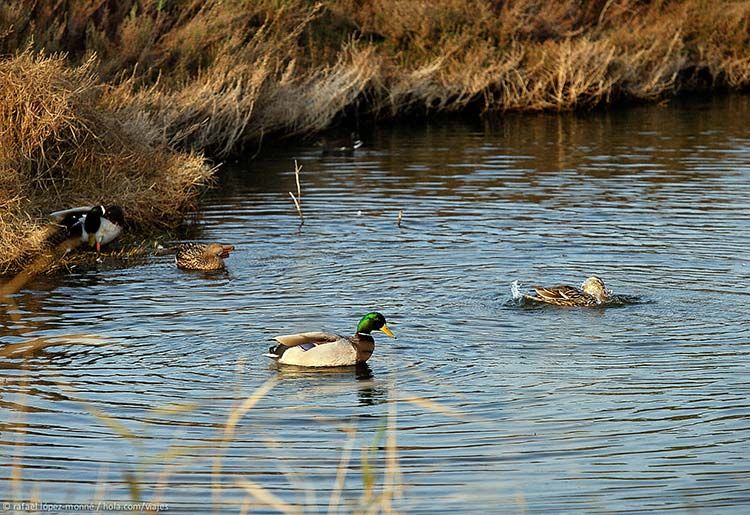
322,349
197,256
91,225
591,293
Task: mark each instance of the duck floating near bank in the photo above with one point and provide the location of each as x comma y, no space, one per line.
321,349
591,293
96,225
344,145
199,256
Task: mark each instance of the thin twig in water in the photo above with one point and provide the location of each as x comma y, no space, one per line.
299,209
298,199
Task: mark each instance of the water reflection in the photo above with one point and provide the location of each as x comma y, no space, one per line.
359,378
539,409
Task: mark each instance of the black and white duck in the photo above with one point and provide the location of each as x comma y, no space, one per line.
96,225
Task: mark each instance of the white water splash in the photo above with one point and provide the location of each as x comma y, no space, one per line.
515,290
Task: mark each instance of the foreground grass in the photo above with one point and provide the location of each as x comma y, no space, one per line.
145,87
377,468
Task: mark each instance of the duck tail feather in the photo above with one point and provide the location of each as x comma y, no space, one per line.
74,210
276,351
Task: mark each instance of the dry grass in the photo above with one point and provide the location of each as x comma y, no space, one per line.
531,55
216,76
62,146
378,468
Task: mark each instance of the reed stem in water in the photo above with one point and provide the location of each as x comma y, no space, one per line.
298,199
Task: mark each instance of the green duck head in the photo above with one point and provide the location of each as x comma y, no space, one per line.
373,321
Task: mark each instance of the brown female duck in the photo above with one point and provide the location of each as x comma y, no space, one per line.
591,293
199,256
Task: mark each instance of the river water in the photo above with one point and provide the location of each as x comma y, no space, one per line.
481,404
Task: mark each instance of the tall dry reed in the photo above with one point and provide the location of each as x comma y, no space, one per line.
216,76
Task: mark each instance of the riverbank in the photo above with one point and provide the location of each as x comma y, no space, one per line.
63,146
146,88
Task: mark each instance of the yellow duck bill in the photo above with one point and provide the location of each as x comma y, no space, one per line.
387,331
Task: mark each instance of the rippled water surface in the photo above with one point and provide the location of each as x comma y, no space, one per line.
479,404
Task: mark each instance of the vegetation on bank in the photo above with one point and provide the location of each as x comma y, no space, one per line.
63,146
112,101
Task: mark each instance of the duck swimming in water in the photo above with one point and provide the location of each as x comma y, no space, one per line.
199,256
321,349
345,145
96,225
591,293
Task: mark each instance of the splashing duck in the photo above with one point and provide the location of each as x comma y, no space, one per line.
591,293
199,256
321,349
